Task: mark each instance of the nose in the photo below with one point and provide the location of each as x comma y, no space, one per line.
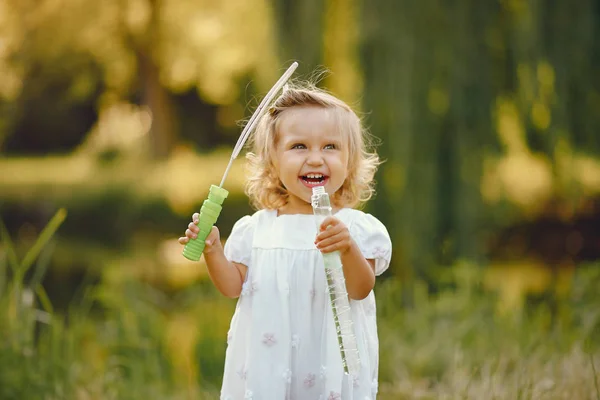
315,158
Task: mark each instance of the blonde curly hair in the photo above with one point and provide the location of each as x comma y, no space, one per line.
265,189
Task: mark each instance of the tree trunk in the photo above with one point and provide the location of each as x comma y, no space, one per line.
164,129
300,28
391,81
428,96
471,102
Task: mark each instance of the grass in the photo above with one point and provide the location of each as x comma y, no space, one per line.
460,344
125,339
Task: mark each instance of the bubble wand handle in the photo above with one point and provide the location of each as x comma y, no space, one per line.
212,206
336,287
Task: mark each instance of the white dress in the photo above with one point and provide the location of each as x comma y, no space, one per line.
282,344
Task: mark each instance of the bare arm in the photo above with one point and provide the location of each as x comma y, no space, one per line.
227,276
358,271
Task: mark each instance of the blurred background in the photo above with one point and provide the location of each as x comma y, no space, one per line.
117,116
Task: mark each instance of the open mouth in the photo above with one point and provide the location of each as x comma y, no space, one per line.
311,180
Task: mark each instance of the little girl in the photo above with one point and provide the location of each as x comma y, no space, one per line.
282,342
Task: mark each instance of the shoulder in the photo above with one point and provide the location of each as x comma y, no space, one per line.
250,221
372,238
360,220
257,215
368,231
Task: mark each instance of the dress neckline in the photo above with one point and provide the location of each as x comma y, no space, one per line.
275,213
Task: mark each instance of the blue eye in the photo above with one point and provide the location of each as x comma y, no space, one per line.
298,146
331,147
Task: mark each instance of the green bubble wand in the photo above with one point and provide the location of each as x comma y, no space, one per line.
212,206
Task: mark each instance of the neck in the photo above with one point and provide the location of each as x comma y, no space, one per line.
290,208
304,208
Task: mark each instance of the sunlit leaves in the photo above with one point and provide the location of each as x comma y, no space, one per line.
510,126
341,40
11,39
211,45
121,128
206,44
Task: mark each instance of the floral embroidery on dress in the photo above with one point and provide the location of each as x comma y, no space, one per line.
306,382
334,396
295,341
287,376
309,381
323,372
248,288
379,252
269,339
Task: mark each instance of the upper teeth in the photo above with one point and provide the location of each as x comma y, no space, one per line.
314,176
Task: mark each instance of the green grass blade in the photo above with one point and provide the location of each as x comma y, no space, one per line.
41,241
44,299
41,266
10,247
83,296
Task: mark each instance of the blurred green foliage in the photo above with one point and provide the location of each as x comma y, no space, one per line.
142,342
124,112
485,112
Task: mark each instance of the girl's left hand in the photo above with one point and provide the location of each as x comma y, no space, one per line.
334,236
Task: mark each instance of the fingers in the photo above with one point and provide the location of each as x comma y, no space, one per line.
213,236
212,241
334,236
331,230
191,234
329,222
339,242
193,227
192,231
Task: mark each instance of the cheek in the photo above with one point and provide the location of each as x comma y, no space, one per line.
339,161
293,161
288,167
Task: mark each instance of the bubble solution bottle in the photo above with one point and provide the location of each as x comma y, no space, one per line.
336,285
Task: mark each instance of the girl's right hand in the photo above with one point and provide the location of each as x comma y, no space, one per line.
213,239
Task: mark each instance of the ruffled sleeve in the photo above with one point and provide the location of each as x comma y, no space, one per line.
238,246
373,240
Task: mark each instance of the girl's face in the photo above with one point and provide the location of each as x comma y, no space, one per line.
310,152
